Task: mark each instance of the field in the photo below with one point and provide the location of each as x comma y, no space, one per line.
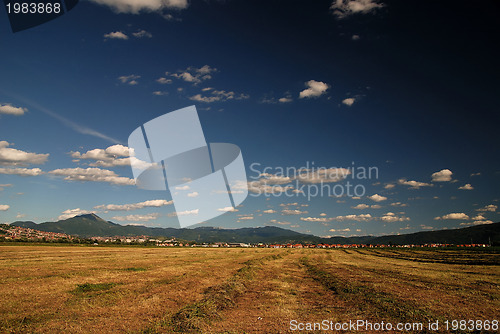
77,289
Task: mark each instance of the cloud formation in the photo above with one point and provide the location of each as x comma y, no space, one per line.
21,171
443,175
455,215
92,175
70,213
137,218
13,157
9,109
138,6
115,35
345,8
156,203
315,89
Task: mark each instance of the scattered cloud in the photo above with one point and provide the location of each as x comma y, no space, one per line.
456,215
137,218
13,157
443,175
92,175
323,175
186,213
156,203
218,96
475,174
9,109
129,79
314,89
113,156
115,35
317,220
349,101
227,209
21,171
362,217
399,204
269,211
194,75
361,206
414,184
70,213
292,212
193,194
490,208
389,186
345,8
5,186
137,6
164,80
377,198
468,186
4,207
355,37
390,217
142,34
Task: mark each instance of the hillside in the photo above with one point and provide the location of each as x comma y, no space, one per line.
91,225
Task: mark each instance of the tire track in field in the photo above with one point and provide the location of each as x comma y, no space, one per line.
368,299
195,317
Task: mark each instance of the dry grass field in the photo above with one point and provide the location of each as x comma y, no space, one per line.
84,289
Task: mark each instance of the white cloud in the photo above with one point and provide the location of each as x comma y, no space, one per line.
193,194
134,206
323,175
443,175
456,215
389,186
218,96
349,101
269,211
193,74
340,230
164,80
116,35
362,217
390,217
4,207
142,34
398,204
317,220
129,79
315,89
468,186
377,198
92,175
344,8
188,212
137,218
137,6
21,171
185,187
260,187
361,206
113,156
414,184
490,208
9,109
285,99
292,212
227,209
70,213
13,157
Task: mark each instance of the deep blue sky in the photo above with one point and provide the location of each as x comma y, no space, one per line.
422,79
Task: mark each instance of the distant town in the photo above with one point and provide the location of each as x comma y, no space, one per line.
10,233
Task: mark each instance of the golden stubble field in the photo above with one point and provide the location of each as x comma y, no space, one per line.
85,289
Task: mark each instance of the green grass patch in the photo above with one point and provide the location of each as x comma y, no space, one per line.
93,287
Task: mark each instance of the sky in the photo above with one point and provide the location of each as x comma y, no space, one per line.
314,93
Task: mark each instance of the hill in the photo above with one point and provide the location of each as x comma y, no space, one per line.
91,225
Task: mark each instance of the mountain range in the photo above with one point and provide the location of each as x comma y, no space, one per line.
91,225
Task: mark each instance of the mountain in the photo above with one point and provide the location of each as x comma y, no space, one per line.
91,225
